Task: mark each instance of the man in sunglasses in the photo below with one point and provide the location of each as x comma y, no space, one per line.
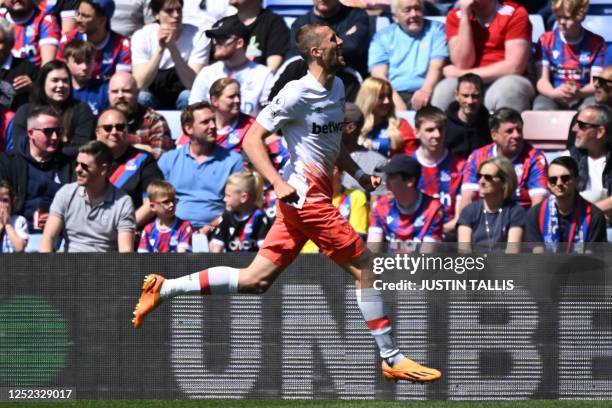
603,87
564,221
132,169
36,169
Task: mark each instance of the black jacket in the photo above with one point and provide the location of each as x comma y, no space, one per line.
581,158
463,138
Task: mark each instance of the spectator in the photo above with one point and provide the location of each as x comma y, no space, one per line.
269,35
94,215
199,12
440,169
231,124
408,216
79,56
382,130
6,128
567,58
199,169
93,25
495,218
13,227
468,119
529,163
430,6
36,168
36,34
492,40
131,169
351,24
410,54
353,206
592,152
230,40
564,217
15,73
131,15
244,224
53,88
166,233
603,87
168,55
147,130
64,11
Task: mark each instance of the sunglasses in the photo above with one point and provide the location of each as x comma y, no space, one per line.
171,10
50,131
84,166
109,128
488,177
586,125
564,179
603,81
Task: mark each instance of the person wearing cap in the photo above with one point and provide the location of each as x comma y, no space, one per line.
231,38
167,56
407,217
93,24
36,34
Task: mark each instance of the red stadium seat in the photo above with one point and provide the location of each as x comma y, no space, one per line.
547,130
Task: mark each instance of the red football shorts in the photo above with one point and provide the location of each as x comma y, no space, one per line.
320,222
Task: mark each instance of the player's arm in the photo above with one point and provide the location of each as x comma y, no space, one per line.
346,163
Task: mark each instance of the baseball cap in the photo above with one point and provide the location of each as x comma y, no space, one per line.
401,163
107,7
229,26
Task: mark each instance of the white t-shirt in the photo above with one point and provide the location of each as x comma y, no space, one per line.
311,118
20,225
255,80
193,45
595,190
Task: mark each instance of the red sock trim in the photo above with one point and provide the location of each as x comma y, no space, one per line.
379,323
204,285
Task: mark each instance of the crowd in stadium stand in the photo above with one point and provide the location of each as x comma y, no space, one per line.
122,122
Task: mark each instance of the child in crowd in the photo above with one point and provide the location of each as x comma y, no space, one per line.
166,233
244,224
79,56
13,228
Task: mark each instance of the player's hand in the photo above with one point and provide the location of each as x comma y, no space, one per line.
369,182
21,82
286,193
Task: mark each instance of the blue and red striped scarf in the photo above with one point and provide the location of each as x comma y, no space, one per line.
579,226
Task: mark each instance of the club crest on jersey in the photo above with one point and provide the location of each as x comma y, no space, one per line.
445,176
419,222
131,165
330,127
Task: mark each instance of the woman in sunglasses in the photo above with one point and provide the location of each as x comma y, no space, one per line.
495,218
564,221
53,87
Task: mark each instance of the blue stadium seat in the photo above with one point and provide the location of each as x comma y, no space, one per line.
173,117
601,24
600,7
408,115
538,28
288,7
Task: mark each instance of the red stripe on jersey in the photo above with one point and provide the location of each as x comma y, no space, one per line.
204,284
379,323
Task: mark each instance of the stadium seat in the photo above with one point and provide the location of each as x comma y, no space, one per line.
601,25
600,7
547,130
538,28
408,115
441,19
173,117
288,7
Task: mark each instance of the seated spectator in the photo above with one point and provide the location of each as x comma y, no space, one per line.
564,221
168,55
79,56
468,119
36,168
269,35
64,12
94,215
440,169
13,227
408,216
200,169
351,24
353,206
147,129
206,11
495,218
592,152
429,6
230,41
131,15
244,224
382,130
93,24
231,124
492,40
567,57
166,233
16,74
131,169
410,54
6,128
36,34
53,88
603,87
529,163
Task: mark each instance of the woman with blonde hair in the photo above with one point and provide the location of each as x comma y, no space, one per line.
495,218
382,130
